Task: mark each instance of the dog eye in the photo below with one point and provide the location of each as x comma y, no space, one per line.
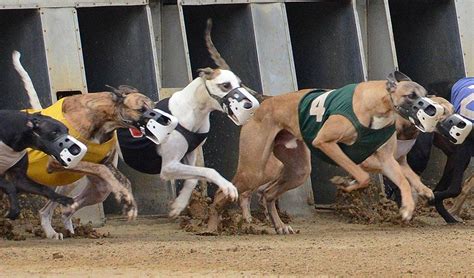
226,85
413,95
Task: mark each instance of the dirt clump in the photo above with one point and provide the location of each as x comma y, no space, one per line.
28,222
195,218
80,231
370,206
7,231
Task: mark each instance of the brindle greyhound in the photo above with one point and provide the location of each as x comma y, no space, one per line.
276,129
94,117
177,155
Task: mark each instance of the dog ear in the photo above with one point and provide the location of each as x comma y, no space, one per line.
126,90
32,121
117,95
399,76
395,77
206,73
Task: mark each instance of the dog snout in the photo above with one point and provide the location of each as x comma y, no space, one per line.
247,104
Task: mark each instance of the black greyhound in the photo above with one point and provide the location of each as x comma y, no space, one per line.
18,131
459,156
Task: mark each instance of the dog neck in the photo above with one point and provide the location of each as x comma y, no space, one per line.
93,115
373,106
18,138
192,106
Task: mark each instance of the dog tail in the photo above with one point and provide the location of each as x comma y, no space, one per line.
215,55
30,89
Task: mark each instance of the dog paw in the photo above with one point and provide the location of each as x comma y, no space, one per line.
230,191
55,236
248,219
406,212
67,222
132,214
427,193
176,208
285,230
131,210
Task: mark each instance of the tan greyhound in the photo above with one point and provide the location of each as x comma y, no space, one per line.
406,137
347,139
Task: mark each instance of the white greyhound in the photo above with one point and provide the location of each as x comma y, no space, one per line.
214,89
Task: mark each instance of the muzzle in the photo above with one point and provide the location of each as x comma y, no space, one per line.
239,105
66,149
422,112
157,125
456,128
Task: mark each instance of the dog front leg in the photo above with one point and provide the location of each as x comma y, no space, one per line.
178,170
10,189
180,203
338,129
415,180
455,210
392,170
333,151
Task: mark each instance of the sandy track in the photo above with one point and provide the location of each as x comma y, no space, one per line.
325,246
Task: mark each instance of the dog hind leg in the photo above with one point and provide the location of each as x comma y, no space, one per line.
296,169
273,169
47,211
10,189
253,157
95,191
117,183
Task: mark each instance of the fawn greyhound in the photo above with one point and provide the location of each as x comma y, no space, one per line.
406,137
344,126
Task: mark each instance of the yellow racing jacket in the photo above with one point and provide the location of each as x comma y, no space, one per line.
38,160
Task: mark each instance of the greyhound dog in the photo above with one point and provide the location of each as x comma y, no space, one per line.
356,122
456,141
175,157
406,132
214,90
30,131
93,119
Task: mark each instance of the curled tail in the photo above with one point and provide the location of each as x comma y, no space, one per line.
30,89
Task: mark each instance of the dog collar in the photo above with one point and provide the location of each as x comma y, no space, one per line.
218,99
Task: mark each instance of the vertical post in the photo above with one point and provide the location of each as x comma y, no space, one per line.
381,47
63,50
464,10
277,73
66,73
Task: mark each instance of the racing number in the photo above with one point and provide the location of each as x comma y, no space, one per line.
464,110
317,106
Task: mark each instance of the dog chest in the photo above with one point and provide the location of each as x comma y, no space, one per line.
8,157
318,105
